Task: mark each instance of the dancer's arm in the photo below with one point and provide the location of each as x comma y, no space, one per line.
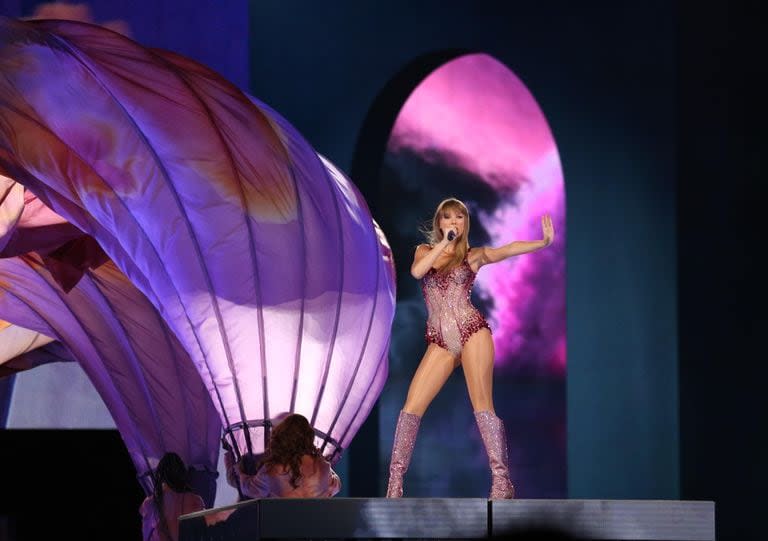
487,255
333,482
229,468
254,486
425,257
192,504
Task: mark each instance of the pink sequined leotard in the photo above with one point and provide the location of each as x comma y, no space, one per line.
451,318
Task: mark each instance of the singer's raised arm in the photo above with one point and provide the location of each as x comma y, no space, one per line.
486,255
425,257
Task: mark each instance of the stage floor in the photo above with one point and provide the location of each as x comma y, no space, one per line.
451,518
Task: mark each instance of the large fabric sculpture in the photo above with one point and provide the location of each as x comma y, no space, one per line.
138,367
259,254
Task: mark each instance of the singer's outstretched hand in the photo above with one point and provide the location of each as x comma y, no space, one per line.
547,229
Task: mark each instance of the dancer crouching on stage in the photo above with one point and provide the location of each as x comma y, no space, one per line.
456,333
292,466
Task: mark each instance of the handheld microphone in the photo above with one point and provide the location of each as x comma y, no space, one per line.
451,235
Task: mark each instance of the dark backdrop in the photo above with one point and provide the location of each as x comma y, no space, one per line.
721,294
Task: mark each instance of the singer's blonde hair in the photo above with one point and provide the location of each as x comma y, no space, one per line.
435,235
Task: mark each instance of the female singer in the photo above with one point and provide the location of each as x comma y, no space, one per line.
456,334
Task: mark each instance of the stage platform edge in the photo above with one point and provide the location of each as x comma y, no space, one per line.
450,518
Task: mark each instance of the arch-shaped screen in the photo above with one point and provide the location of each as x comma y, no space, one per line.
471,129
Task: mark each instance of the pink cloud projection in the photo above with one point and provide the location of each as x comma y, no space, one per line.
477,109
475,114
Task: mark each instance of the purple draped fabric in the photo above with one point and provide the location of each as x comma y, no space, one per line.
22,349
50,353
26,224
135,363
259,254
141,372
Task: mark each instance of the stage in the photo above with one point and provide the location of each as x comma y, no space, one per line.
451,518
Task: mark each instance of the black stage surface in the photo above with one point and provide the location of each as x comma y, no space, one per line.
452,518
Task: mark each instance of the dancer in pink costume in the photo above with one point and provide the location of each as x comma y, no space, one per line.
292,466
456,334
171,498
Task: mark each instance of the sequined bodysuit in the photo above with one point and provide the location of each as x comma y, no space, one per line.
451,318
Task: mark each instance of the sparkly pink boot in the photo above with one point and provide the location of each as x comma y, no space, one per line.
402,448
495,440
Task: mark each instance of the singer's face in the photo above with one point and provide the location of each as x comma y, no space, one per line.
451,218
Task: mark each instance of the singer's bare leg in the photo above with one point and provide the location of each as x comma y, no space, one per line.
434,369
477,363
